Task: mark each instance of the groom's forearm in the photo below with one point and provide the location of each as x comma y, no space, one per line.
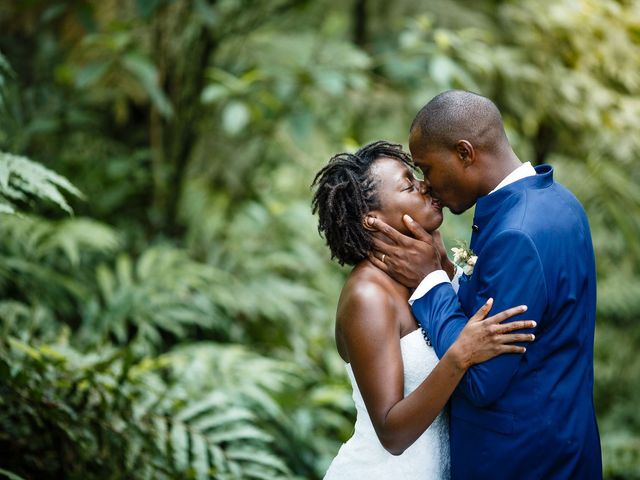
440,315
514,280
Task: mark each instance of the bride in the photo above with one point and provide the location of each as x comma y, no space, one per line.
399,387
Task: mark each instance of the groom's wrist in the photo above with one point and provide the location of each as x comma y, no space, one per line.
430,281
449,267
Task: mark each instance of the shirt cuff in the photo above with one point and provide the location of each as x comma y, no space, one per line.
455,282
430,281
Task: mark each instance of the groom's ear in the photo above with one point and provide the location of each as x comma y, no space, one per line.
466,152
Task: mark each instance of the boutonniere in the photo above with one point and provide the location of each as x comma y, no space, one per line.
464,257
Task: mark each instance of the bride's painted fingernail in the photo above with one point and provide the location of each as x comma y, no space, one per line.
524,308
533,324
408,218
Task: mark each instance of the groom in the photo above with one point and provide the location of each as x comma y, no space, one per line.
517,416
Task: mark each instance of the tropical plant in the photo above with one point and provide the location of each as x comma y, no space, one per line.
179,324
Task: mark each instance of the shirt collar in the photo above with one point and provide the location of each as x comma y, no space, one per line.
523,171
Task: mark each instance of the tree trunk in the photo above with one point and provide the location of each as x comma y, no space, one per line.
182,75
360,36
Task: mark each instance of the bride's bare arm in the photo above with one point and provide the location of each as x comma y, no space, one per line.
372,339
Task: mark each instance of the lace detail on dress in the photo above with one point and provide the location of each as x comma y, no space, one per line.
362,456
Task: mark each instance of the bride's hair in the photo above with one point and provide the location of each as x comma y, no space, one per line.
345,193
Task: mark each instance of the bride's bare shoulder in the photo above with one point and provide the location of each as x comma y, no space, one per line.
366,284
366,308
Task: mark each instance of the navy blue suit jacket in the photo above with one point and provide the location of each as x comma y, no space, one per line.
525,416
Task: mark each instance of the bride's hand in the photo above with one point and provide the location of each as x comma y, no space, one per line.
484,338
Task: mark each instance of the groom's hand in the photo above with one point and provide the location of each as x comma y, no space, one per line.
407,260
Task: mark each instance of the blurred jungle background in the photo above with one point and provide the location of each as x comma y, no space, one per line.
166,302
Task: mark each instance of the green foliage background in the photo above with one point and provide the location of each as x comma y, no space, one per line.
179,324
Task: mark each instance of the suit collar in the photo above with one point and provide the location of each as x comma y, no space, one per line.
524,170
487,205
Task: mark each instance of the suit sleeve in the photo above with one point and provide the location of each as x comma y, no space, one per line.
509,270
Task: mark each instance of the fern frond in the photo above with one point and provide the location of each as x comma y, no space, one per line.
21,178
76,236
44,262
26,322
230,367
10,475
162,291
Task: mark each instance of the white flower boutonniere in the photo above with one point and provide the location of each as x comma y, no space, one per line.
464,257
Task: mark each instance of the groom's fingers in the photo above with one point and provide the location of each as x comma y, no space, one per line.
404,258
381,265
380,247
416,229
391,233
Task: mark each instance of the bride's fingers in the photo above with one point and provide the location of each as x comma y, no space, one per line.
482,312
502,316
511,349
510,327
517,337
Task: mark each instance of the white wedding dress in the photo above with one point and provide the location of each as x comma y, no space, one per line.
363,457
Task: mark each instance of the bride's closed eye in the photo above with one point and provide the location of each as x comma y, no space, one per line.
412,183
410,187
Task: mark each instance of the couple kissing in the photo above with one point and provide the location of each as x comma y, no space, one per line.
484,372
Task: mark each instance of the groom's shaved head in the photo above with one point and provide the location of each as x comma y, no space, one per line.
459,115
459,143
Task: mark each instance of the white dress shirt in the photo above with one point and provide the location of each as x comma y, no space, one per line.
440,276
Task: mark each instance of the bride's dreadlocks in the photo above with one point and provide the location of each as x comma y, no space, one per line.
346,192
